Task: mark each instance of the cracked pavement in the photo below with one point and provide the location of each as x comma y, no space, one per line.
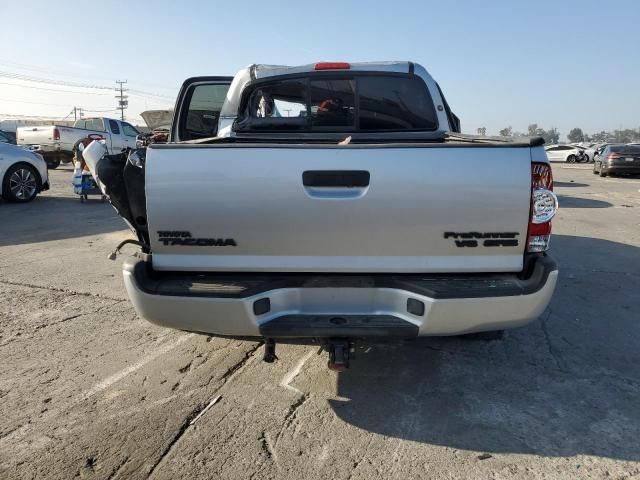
89,390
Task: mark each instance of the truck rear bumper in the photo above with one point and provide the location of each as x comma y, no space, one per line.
622,169
326,305
45,148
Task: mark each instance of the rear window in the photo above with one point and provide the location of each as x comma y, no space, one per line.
389,103
90,124
626,149
332,104
368,103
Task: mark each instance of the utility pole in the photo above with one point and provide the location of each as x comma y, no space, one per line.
122,98
77,111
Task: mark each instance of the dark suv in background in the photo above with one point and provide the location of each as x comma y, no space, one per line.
618,160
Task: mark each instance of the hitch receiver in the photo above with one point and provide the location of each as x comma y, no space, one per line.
338,354
269,351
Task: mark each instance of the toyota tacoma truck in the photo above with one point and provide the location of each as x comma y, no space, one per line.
58,143
332,203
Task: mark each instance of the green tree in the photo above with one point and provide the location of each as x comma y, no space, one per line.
533,129
506,132
576,135
551,136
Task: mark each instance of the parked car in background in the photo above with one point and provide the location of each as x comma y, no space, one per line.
599,148
23,174
159,121
7,137
587,150
618,160
564,153
59,143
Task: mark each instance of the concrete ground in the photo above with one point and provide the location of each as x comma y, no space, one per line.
89,390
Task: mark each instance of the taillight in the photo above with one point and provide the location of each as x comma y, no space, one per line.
613,156
56,134
544,205
332,66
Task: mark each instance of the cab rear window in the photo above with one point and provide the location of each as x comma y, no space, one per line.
334,103
626,149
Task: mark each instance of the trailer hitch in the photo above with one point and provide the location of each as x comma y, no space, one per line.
339,354
269,355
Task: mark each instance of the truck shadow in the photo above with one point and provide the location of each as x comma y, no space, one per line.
567,201
564,385
56,218
569,184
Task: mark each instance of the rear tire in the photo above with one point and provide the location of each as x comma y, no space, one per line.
571,159
485,336
21,183
53,163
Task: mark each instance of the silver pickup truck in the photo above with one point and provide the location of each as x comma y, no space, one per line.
58,143
332,203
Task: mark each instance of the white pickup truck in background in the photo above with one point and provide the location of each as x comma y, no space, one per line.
57,143
332,203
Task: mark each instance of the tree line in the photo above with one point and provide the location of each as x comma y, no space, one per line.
575,135
626,135
550,136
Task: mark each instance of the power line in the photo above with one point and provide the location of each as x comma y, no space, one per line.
64,83
142,93
17,115
41,103
50,81
51,89
39,69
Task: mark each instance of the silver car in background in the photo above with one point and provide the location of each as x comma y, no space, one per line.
23,174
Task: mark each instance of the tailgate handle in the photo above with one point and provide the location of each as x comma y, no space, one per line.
336,178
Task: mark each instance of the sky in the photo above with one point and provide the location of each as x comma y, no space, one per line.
560,64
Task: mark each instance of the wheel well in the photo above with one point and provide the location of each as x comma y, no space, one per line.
38,177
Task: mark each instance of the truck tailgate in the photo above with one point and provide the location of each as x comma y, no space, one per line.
321,208
34,135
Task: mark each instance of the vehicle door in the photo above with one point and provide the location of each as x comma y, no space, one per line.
128,137
553,154
123,180
117,137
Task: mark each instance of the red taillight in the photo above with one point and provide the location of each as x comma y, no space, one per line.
332,66
544,205
613,156
541,176
56,134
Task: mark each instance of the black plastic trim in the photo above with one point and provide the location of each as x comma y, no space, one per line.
436,286
350,326
331,141
336,178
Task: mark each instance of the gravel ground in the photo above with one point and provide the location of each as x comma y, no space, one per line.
89,390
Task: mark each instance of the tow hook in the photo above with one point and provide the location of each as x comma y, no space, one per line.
269,351
339,352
